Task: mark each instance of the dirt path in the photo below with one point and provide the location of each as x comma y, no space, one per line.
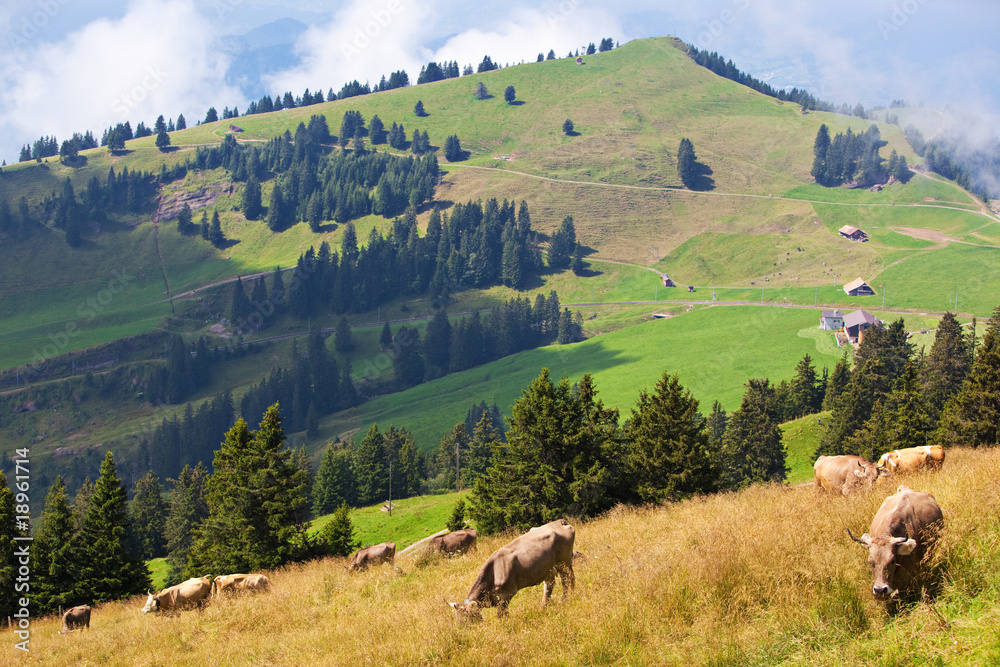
159,251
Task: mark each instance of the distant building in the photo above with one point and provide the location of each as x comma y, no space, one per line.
857,323
853,233
858,288
831,320
667,282
235,128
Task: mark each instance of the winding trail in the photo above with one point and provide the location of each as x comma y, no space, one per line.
159,251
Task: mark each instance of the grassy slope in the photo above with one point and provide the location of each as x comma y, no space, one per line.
713,350
412,519
762,577
631,107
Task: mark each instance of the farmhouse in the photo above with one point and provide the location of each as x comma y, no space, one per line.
853,233
858,288
857,323
667,282
831,320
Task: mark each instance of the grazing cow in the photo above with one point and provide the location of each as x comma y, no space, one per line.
531,559
373,555
191,593
911,459
240,583
844,474
77,617
904,527
455,542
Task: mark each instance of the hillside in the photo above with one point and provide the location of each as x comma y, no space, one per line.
766,576
763,237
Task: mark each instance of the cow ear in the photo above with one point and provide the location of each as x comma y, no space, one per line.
859,473
906,547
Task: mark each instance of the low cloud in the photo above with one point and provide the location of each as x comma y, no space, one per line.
156,59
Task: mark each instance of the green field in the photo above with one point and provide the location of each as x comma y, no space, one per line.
713,350
412,519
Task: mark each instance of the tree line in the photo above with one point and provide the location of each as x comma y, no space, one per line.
977,170
854,158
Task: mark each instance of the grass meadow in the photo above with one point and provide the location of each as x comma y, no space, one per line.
765,576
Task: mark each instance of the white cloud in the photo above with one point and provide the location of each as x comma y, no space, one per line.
369,38
157,59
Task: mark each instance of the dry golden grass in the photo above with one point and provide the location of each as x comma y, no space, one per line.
765,576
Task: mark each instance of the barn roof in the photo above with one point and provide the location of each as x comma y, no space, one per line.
831,313
848,230
859,317
854,284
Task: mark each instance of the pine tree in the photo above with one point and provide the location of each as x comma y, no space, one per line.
162,139
686,167
946,366
803,392
252,207
838,382
240,306
408,364
385,338
215,234
188,508
204,227
972,417
437,340
343,342
560,459
562,244
181,122
820,148
148,514
256,502
453,148
752,447
669,453
481,92
104,569
51,561
338,533
509,94
334,481
418,109
716,423
371,471
457,519
898,421
567,128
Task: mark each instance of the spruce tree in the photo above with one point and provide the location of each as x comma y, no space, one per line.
371,471
716,423
972,417
946,366
8,566
898,421
256,502
252,207
148,514
686,167
457,519
669,456
804,395
385,338
453,148
567,128
481,92
188,508
408,364
418,109
560,459
240,307
51,560
334,482
338,533
752,447
437,340
343,342
509,94
838,382
215,233
278,296
184,224
104,569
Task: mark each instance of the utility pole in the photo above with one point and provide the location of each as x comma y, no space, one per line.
762,296
816,298
456,465
390,488
882,286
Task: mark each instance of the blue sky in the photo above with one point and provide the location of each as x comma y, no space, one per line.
72,65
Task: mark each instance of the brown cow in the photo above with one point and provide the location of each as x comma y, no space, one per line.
844,474
911,459
240,583
455,542
373,555
904,527
531,559
191,593
77,617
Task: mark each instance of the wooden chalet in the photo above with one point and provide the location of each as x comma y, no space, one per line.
853,233
858,287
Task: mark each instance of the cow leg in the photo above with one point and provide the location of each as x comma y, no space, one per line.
568,580
547,588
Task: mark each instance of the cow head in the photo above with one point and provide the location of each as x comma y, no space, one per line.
866,474
152,604
882,553
467,611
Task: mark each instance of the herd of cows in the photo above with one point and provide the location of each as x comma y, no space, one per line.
900,534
